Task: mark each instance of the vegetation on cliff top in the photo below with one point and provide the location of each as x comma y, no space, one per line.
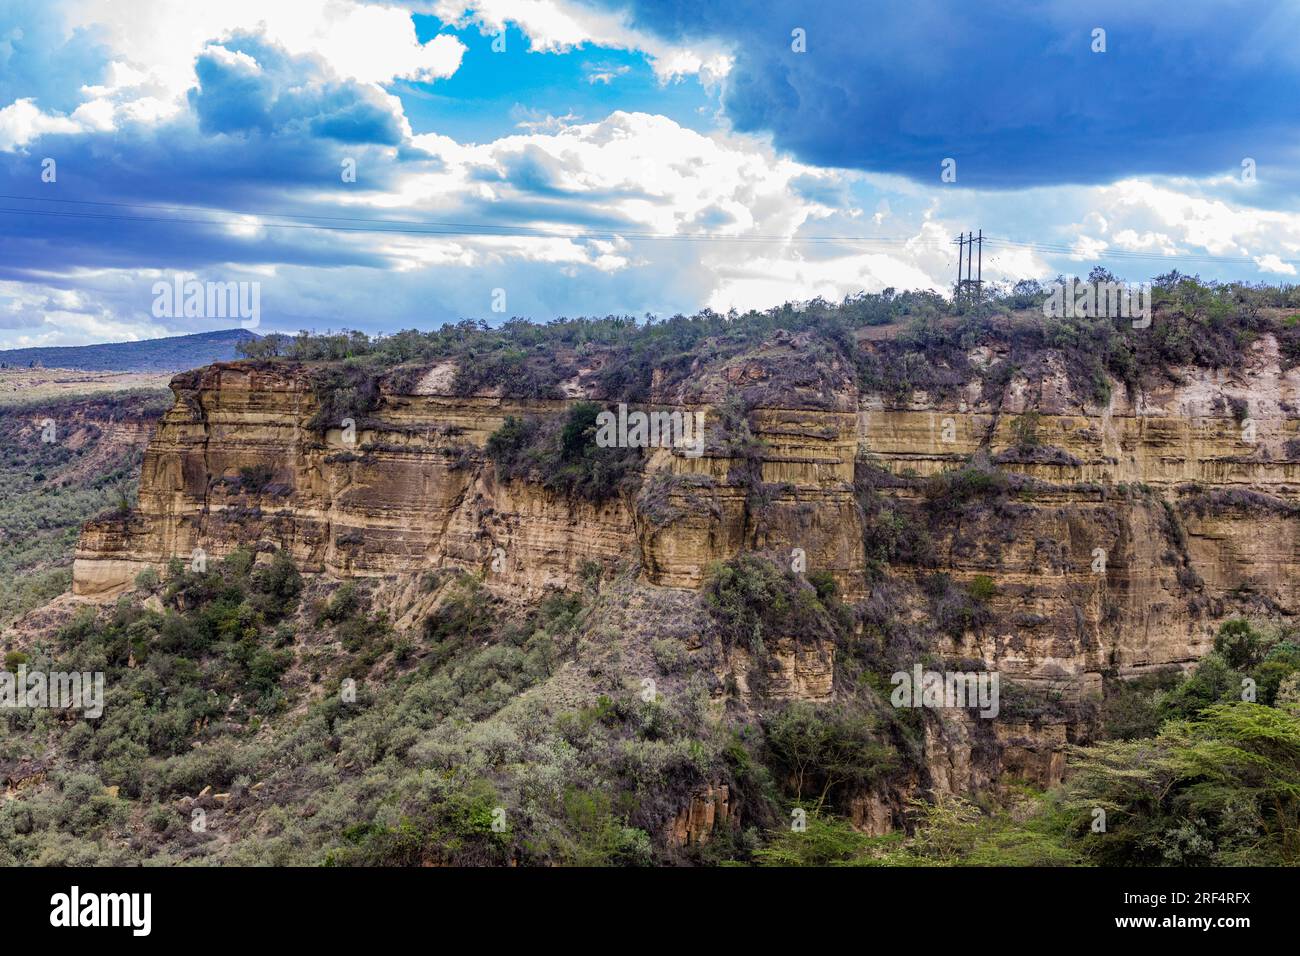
1195,323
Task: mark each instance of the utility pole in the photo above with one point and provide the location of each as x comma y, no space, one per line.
961,248
970,288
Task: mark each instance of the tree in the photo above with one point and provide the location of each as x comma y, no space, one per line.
1222,789
1238,643
831,750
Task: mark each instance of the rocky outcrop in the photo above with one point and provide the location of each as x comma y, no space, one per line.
707,810
235,462
794,669
1139,525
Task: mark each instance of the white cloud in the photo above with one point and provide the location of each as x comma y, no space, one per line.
33,315
21,122
95,115
154,42
1274,264
605,73
646,170
562,25
1161,219
759,283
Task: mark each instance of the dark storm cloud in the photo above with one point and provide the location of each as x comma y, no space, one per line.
1013,91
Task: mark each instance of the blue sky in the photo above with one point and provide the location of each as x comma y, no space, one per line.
623,157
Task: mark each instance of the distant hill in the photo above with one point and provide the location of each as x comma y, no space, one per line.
175,354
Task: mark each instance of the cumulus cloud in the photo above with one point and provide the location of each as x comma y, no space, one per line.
320,61
22,121
1153,217
367,42
247,83
45,57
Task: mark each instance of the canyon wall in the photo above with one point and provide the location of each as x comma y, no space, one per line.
1137,525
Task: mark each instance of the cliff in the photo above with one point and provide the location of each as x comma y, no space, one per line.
1116,536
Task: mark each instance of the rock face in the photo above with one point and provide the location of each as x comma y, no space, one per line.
1150,518
235,462
707,810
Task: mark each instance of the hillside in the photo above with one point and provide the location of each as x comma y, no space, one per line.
172,354
49,488
393,602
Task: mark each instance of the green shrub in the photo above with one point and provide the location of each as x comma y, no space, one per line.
1130,707
825,841
1239,644
344,390
1278,665
147,580
951,489
826,753
1220,789
344,603
669,654
753,600
1212,682
982,588
563,456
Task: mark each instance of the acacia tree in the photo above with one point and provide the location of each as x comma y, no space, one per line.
833,749
1220,789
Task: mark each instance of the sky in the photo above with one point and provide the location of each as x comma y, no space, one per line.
381,166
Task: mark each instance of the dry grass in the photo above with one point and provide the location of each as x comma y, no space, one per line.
21,385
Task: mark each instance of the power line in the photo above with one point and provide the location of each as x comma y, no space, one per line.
1061,249
440,228
425,227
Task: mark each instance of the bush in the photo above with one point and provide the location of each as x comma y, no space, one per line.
343,604
982,588
563,456
1239,644
345,390
751,600
467,614
825,841
253,479
1130,707
1280,663
147,580
1212,682
669,654
828,753
277,586
950,489
1220,789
